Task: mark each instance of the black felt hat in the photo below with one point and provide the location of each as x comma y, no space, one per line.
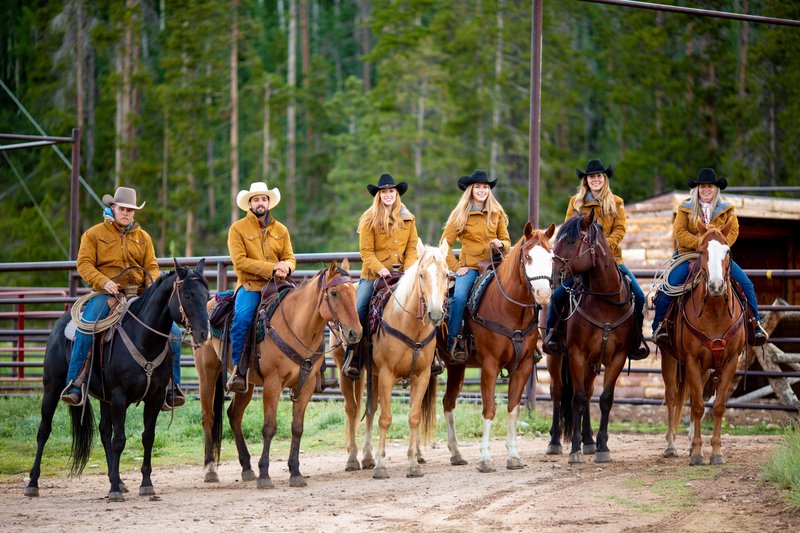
386,181
707,175
479,176
594,166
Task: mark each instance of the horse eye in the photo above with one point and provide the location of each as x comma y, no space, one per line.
334,294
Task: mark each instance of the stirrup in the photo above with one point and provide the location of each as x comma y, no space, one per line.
350,370
551,344
660,337
458,355
437,367
760,336
72,398
173,399
237,382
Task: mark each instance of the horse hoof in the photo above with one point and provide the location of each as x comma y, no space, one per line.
421,460
457,460
589,449
248,475
352,466
514,463
32,491
368,464
486,467
602,457
116,497
414,472
575,458
147,491
123,487
554,449
716,460
211,477
670,452
297,481
696,460
380,473
264,483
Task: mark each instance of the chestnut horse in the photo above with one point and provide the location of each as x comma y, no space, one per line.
505,331
403,349
708,334
291,356
600,330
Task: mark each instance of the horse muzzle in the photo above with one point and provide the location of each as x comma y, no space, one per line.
716,288
352,335
542,295
436,316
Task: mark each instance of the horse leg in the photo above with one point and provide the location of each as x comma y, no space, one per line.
106,432
235,414
589,446
554,369
718,409
695,382
419,383
385,383
669,372
117,410
269,400
610,376
151,410
296,479
208,372
580,401
368,458
455,378
351,391
489,373
515,388
49,403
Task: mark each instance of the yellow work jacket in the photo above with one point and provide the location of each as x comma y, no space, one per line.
475,239
106,250
614,228
687,236
255,250
379,249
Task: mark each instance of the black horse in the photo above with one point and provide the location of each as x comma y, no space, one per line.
119,380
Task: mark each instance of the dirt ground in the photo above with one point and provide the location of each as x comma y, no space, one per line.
639,491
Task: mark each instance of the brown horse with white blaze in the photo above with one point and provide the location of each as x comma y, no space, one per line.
505,331
708,335
291,353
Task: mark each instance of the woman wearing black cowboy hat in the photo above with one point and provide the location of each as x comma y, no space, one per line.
478,221
704,203
594,195
387,236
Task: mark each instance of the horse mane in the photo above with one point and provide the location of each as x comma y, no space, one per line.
570,230
406,283
516,252
142,301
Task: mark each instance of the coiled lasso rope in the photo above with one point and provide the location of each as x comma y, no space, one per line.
103,324
662,276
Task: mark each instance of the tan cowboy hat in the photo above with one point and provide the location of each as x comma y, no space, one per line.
123,197
257,188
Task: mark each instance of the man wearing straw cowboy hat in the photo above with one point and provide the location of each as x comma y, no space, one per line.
116,244
260,249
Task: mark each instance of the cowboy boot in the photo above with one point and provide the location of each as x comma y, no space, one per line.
760,336
352,362
640,350
437,367
458,352
72,395
174,398
237,382
553,343
660,336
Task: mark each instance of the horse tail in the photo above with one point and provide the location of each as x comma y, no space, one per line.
216,425
82,437
683,393
565,413
429,409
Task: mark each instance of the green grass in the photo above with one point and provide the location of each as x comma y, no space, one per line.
784,468
672,494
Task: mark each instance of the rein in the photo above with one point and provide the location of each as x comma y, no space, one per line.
416,346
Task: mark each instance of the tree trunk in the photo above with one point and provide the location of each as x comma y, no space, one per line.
741,81
305,52
362,26
189,233
234,111
496,101
291,80
265,132
164,194
79,62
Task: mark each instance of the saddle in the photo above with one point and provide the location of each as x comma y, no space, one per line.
382,291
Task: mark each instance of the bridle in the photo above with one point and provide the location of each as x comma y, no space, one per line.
588,237
523,274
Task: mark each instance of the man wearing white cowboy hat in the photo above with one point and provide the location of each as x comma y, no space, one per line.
260,249
107,249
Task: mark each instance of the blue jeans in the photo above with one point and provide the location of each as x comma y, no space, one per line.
97,309
244,312
678,277
458,303
558,299
366,287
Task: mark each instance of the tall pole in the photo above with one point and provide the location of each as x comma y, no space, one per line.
535,112
74,193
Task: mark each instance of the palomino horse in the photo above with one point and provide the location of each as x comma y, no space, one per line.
403,349
600,331
505,330
291,353
136,366
708,334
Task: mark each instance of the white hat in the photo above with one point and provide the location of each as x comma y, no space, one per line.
258,188
123,197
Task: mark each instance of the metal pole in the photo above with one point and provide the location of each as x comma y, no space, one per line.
700,12
535,112
74,196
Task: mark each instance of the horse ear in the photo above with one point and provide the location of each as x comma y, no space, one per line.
727,227
333,269
551,230
701,227
201,266
587,219
182,271
420,247
346,264
528,229
444,247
